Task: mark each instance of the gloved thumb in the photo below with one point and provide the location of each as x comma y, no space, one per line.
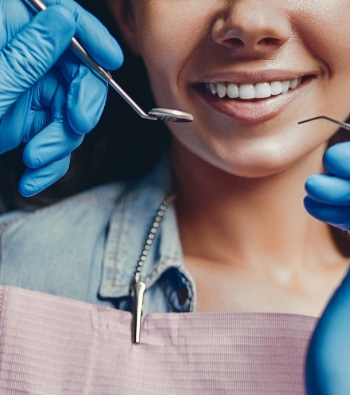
32,53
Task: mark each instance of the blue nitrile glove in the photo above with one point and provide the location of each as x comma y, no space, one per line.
328,196
48,100
327,370
328,361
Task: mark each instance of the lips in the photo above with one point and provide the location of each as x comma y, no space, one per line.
254,77
256,110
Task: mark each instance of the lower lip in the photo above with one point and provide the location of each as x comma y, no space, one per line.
254,112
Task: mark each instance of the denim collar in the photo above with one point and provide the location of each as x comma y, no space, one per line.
129,226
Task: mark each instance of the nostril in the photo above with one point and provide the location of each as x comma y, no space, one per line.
270,41
234,42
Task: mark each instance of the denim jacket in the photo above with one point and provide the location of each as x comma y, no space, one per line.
87,247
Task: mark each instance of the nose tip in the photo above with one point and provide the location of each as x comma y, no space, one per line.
252,27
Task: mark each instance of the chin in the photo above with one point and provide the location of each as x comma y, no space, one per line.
256,169
253,157
254,163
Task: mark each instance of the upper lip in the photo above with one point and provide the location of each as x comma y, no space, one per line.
254,77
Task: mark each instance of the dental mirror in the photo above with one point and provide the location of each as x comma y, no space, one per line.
162,114
165,114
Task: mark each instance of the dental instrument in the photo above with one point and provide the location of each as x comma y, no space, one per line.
344,125
162,114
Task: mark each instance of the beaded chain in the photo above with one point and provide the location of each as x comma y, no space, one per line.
138,287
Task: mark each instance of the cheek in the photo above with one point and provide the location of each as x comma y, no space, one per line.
169,31
326,36
326,32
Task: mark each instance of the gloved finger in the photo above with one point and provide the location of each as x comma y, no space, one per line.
32,53
14,15
332,215
43,96
31,113
37,120
87,97
337,159
329,189
14,122
87,94
96,39
69,65
56,141
34,181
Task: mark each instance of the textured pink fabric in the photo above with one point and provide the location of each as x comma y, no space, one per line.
51,345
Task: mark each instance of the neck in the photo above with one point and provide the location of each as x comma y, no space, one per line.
249,221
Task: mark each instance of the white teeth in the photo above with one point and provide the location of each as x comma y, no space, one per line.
294,83
285,86
247,91
276,88
261,90
221,88
212,88
232,91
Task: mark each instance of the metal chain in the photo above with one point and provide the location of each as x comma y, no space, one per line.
138,287
156,223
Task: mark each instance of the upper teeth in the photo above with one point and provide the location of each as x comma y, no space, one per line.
261,90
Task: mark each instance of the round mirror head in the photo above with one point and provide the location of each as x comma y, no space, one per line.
165,114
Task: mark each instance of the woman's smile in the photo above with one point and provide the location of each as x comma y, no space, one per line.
247,71
252,103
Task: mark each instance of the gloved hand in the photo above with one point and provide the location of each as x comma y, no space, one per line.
48,99
328,361
328,196
327,370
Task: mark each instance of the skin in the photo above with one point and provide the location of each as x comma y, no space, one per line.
247,239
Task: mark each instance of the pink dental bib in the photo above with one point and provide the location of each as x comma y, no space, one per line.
50,345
